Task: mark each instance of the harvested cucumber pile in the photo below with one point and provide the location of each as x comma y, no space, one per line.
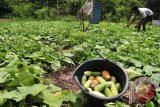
101,83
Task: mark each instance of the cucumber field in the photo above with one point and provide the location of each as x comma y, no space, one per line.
30,49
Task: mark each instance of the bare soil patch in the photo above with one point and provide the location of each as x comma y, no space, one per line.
63,79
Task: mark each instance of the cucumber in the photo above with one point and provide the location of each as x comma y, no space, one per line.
118,86
89,89
113,78
108,83
100,87
100,79
96,73
98,93
84,79
91,78
87,84
108,92
90,73
113,89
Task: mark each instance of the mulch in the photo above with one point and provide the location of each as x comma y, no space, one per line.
63,79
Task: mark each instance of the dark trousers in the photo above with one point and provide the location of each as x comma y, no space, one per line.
143,22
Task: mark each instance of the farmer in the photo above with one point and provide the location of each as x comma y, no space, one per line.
146,16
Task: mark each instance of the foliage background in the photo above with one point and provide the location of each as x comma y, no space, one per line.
113,10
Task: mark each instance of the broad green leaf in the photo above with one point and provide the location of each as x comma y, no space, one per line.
156,77
21,92
27,79
15,95
2,99
68,96
67,54
68,60
136,63
148,70
35,89
56,65
14,82
4,76
79,101
35,69
132,74
12,56
51,99
52,88
120,104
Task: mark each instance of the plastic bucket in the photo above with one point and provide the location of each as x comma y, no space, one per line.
100,65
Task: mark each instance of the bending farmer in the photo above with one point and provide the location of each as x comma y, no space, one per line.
146,16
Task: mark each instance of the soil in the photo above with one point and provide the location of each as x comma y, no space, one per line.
63,79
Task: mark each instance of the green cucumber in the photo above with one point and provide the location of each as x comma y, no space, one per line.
100,79
96,73
118,86
91,78
84,79
113,79
100,87
89,89
90,73
87,84
108,92
113,89
97,93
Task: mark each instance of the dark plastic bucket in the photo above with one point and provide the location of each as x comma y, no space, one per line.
100,65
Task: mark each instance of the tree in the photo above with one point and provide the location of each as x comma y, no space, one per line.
154,5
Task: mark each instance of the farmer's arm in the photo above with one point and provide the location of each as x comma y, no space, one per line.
132,21
142,20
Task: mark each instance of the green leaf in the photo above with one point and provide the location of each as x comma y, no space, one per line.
15,95
35,69
2,100
120,104
56,65
4,76
136,63
68,60
51,99
21,92
132,74
67,54
52,88
148,70
37,88
156,77
68,96
26,78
